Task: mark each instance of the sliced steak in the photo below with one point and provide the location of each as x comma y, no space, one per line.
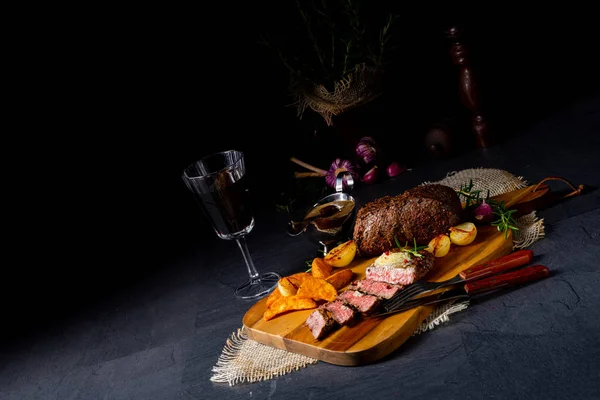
340,311
321,322
365,303
400,270
377,288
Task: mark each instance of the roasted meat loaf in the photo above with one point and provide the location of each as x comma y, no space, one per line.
420,214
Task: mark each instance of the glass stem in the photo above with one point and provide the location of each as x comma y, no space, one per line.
241,241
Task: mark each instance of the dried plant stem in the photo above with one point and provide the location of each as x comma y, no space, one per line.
319,171
307,174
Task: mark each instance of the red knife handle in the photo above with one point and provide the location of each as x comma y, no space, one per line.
510,261
512,278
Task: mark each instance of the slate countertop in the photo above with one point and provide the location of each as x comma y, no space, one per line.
161,338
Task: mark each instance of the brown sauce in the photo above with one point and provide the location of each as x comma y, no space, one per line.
330,217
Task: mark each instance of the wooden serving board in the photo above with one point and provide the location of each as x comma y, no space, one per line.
373,338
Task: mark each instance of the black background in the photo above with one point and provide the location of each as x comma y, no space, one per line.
120,101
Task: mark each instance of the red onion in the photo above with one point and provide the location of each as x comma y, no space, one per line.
394,169
371,176
337,166
483,213
367,150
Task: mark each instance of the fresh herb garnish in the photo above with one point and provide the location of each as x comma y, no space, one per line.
505,220
414,251
473,198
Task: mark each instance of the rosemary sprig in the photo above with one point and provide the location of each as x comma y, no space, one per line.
473,198
414,251
505,220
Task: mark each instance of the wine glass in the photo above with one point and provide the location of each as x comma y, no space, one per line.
219,183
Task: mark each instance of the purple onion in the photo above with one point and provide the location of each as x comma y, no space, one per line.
367,150
483,213
394,169
371,176
337,166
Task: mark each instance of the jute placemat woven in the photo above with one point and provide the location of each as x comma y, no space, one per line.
244,360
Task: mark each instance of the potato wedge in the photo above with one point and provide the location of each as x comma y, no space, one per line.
320,269
274,295
289,303
317,289
288,285
342,254
340,278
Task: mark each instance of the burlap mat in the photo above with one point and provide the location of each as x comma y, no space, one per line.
359,87
245,361
497,181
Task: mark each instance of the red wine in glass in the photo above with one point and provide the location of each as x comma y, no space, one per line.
219,184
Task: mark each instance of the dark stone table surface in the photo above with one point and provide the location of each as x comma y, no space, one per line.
160,338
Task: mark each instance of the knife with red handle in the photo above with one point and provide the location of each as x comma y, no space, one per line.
469,289
509,261
511,278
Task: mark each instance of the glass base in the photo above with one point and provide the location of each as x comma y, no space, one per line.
258,288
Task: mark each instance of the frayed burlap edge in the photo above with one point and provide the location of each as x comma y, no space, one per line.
531,229
246,360
440,315
497,181
362,85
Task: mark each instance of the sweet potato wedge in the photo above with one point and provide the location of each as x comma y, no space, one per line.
317,289
340,278
274,295
288,303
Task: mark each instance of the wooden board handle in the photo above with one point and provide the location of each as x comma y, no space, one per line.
514,278
510,261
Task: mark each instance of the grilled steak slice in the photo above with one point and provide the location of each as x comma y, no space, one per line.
398,267
365,303
380,289
340,311
421,213
320,323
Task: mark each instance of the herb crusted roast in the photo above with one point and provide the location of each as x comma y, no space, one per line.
420,213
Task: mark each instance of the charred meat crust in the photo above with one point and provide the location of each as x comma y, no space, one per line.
420,213
377,224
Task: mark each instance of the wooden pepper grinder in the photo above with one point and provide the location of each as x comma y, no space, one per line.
468,89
